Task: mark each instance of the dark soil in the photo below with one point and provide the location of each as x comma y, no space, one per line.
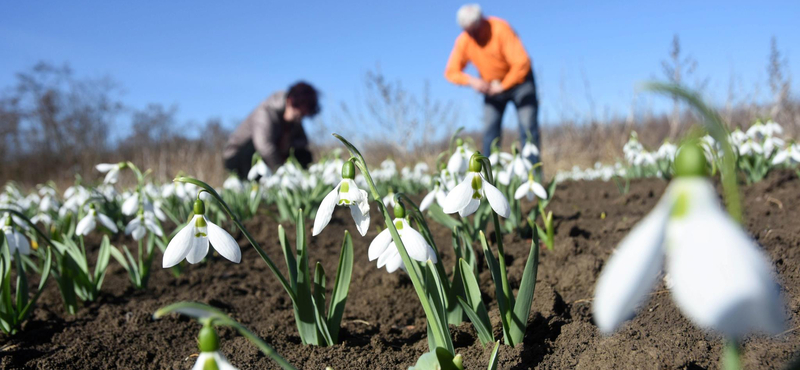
384,326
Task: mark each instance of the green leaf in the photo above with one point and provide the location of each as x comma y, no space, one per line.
522,307
288,254
103,256
493,359
494,268
341,287
22,283
305,312
474,306
322,325
433,286
437,214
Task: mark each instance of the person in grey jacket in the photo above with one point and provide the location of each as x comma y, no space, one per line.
274,130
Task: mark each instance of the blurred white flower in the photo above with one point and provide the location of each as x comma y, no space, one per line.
15,240
111,171
385,251
436,194
89,222
346,194
466,196
721,280
139,226
193,240
530,189
260,169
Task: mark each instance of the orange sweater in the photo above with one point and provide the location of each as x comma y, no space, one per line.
502,57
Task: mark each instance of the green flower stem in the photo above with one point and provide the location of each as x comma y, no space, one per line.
207,188
730,356
440,332
506,317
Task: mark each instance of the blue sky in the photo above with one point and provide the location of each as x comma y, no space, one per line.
219,59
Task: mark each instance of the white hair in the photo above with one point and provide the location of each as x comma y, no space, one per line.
468,15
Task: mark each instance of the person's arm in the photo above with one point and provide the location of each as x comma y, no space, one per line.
516,56
454,72
263,138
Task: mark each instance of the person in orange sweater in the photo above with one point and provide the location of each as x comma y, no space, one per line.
505,74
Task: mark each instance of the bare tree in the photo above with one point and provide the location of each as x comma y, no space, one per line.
778,83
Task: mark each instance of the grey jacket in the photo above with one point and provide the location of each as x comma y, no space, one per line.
269,133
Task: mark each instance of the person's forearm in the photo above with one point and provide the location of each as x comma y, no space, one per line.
457,77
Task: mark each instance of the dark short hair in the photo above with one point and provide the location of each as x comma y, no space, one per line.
304,97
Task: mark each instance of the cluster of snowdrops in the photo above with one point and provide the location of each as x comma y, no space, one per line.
718,276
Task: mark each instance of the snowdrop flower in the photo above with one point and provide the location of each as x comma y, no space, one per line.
530,189
346,194
210,357
760,130
192,241
667,151
788,155
385,251
466,196
111,171
529,150
738,137
500,159
750,148
259,169
233,183
131,204
139,226
436,194
519,167
89,222
459,160
721,280
772,128
771,144
388,200
16,241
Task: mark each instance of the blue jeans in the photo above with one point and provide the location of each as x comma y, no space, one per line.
524,98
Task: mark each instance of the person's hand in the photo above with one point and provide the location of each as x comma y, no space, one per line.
495,88
479,85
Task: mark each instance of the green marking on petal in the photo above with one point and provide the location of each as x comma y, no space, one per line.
476,182
210,364
681,206
345,187
201,235
200,222
398,225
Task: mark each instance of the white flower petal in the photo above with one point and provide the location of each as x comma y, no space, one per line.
107,222
130,205
538,189
631,270
179,246
224,243
416,246
387,253
105,167
721,280
496,199
379,244
199,248
85,225
362,220
325,210
460,196
427,201
471,207
522,191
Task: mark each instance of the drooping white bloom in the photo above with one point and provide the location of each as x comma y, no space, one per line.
466,196
788,155
667,151
519,167
233,183
750,147
459,160
89,222
139,226
772,144
436,194
16,241
385,251
720,279
216,356
111,171
193,240
500,158
260,169
388,200
131,204
530,189
529,150
738,137
346,194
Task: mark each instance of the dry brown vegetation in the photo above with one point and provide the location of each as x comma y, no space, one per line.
55,126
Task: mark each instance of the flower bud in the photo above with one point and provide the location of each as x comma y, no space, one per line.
475,163
399,210
199,207
690,161
459,142
208,339
348,170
